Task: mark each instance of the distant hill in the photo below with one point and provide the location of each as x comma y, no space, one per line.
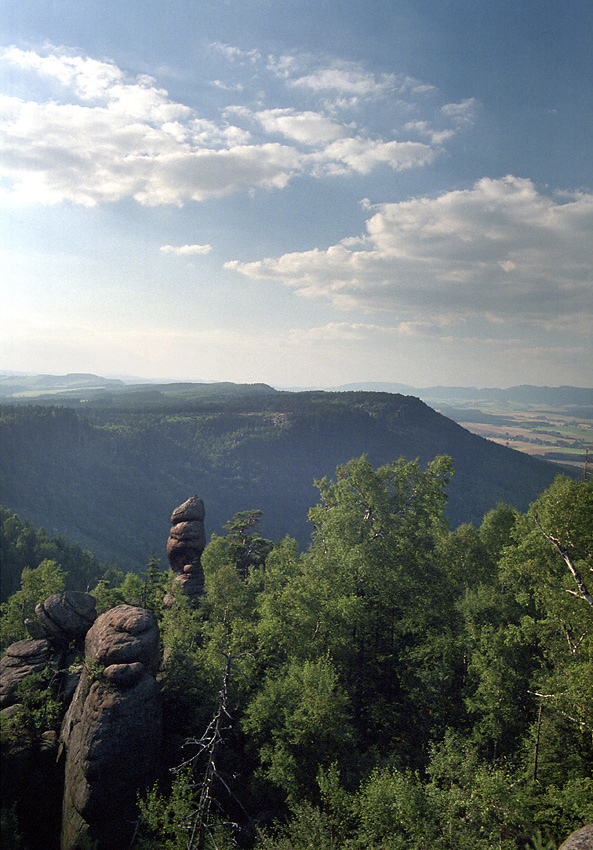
106,470
78,386
523,396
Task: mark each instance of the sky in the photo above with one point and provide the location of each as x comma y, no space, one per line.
298,193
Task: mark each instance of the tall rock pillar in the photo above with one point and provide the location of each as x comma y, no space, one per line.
187,540
112,730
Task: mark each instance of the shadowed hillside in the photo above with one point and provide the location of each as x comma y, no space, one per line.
105,470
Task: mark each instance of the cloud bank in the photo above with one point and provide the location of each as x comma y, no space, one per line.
98,135
500,249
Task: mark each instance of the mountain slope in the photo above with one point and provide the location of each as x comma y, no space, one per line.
108,472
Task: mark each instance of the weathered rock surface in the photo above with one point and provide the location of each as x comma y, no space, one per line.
112,729
67,616
581,839
21,660
187,541
30,777
190,510
124,635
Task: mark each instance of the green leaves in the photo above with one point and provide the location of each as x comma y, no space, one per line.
36,585
300,721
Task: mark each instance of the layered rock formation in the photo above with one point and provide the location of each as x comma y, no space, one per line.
31,777
110,738
65,617
187,540
112,729
56,636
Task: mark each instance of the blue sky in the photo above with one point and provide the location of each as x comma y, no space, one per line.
300,193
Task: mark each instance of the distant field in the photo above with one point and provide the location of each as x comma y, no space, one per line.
556,437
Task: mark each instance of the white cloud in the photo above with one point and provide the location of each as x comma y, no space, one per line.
182,250
462,112
101,135
362,155
346,80
219,84
125,139
236,54
311,128
500,249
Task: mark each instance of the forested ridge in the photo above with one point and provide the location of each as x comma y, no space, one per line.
104,471
397,684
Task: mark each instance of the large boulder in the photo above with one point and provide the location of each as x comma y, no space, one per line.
66,616
124,635
112,730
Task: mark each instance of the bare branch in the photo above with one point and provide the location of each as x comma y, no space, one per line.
583,591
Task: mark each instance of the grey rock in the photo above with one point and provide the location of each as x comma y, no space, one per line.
29,649
35,629
112,729
192,509
124,635
124,675
22,659
66,616
72,611
182,552
10,711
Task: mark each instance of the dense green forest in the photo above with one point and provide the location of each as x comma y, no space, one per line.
106,471
397,684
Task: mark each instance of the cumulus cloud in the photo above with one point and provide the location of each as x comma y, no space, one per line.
183,250
124,138
361,154
101,135
349,80
236,54
462,112
311,128
500,249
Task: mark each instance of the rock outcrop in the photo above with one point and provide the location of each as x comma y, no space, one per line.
31,777
58,632
66,617
112,729
22,659
581,839
187,540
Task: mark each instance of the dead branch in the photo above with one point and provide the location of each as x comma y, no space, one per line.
583,591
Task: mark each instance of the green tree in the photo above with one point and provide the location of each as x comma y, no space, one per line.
36,585
378,596
548,568
299,719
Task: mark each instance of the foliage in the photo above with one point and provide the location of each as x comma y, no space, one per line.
39,710
396,685
36,585
166,820
10,835
107,472
22,546
300,721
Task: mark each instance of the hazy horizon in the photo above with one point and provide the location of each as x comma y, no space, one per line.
131,379
298,194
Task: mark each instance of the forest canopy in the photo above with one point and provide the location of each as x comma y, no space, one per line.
397,684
